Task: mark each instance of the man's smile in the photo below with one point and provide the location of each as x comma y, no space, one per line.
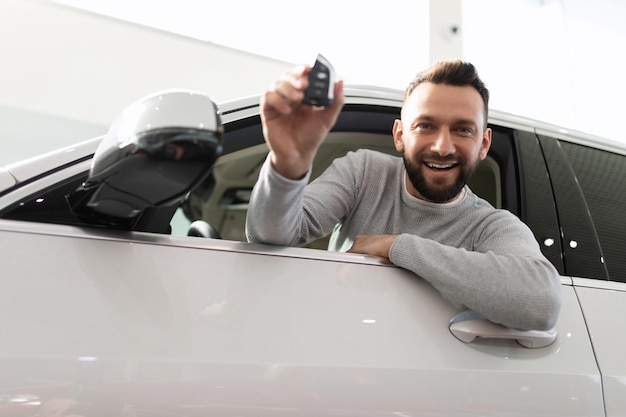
439,166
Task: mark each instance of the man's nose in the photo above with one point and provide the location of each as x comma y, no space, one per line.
443,144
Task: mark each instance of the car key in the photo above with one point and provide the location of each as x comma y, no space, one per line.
320,91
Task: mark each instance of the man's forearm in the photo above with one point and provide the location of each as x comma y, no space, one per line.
275,208
517,291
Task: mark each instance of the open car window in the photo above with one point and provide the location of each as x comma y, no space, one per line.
222,198
222,201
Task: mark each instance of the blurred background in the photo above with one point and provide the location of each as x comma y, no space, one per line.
68,67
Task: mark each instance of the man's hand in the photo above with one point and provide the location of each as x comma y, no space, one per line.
292,130
376,245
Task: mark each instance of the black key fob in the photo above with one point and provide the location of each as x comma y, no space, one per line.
321,83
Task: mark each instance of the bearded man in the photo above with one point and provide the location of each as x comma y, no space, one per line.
416,211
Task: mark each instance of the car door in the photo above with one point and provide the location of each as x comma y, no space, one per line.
149,323
591,198
191,325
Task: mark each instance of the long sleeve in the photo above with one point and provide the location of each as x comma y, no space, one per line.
505,277
275,208
290,213
356,191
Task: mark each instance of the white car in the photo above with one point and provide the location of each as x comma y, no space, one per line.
127,287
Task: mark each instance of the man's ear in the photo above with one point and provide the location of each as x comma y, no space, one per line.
485,144
397,135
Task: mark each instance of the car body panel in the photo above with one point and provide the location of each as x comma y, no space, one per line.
51,161
603,307
6,179
335,333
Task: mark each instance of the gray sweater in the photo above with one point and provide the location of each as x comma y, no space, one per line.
475,255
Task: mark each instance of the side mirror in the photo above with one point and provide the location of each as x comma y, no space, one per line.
155,152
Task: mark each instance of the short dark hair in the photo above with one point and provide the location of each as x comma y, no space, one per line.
452,72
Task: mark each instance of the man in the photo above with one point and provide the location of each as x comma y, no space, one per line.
416,210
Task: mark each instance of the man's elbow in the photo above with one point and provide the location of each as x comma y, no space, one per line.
544,314
547,321
269,238
260,238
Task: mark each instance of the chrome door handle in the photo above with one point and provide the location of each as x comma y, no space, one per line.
469,326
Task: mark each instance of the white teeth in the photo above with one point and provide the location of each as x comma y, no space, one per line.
440,166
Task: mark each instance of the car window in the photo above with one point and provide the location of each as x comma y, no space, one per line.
601,176
47,205
502,161
538,206
222,200
582,252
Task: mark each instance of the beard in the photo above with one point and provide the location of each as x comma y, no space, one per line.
435,190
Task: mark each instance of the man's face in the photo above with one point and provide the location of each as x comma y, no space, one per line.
442,137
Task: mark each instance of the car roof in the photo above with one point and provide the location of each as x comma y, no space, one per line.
366,94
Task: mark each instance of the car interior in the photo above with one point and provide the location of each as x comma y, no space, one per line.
222,200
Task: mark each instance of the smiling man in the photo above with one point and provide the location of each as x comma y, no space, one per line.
417,211
442,136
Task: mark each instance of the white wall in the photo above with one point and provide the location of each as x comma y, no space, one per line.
65,74
559,61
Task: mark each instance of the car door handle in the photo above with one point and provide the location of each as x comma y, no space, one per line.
469,326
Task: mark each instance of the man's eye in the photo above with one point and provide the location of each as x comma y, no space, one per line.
423,126
467,131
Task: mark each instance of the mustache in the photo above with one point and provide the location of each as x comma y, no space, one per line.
436,158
